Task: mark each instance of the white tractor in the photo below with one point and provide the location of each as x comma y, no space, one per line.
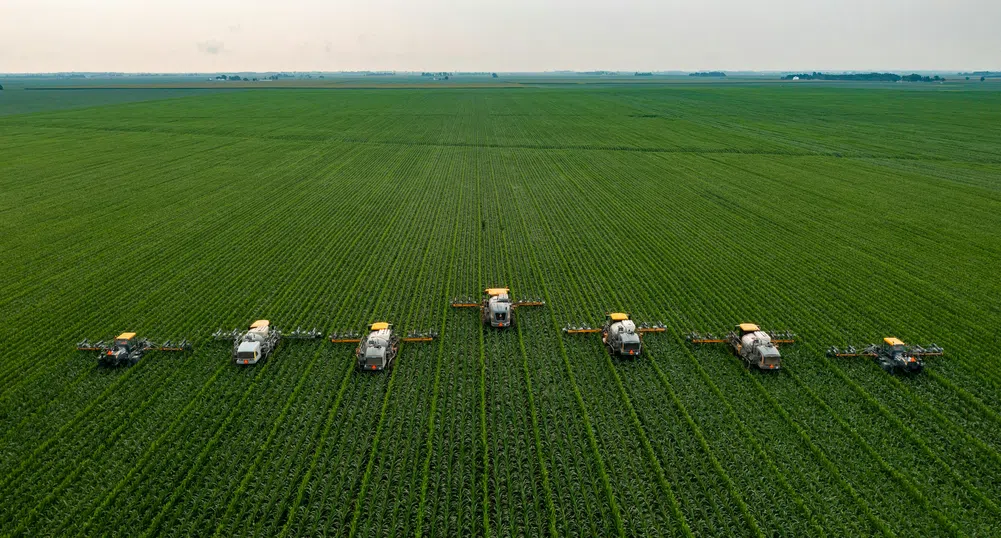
259,340
377,351
620,334
497,308
752,345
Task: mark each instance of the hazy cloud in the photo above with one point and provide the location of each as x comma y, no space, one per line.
498,35
210,47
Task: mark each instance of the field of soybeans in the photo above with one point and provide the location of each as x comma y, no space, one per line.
843,214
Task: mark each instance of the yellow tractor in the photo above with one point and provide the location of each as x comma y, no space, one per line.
893,355
126,349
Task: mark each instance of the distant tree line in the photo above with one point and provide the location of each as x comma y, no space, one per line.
867,77
643,74
255,79
708,74
914,77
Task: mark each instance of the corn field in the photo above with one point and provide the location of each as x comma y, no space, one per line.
840,213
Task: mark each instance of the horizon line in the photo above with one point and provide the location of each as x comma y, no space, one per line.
516,72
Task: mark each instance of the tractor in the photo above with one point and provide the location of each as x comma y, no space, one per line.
259,340
893,355
496,308
752,345
126,349
377,351
619,334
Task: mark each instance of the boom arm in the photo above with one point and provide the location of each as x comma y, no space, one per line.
419,337
345,338
851,351
86,345
144,344
697,338
872,350
302,334
169,345
777,338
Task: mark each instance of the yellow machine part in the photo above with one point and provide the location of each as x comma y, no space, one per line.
618,316
379,326
260,324
749,327
496,291
126,336
893,341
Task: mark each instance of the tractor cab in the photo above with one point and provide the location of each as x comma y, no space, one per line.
126,341
894,347
630,344
124,351
769,357
756,347
373,352
248,352
620,335
378,349
746,328
896,354
498,308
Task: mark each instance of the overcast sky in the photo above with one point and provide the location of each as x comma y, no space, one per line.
497,35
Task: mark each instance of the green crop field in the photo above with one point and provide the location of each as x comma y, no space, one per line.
841,213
